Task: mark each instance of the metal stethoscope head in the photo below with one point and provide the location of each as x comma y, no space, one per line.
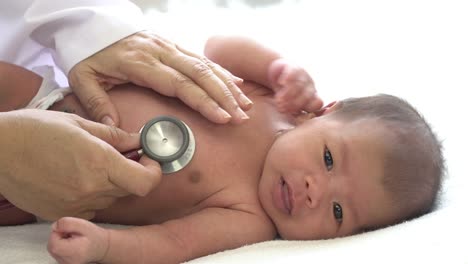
168,141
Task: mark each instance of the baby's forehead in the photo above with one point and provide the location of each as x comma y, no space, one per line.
363,126
364,147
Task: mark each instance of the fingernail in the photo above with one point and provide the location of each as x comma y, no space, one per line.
224,114
237,79
54,226
245,100
135,135
107,120
242,114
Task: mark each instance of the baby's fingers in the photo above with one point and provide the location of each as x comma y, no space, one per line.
301,102
292,105
313,104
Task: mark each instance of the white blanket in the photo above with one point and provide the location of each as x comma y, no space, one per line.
414,49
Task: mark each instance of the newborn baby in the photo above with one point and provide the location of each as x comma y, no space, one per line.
295,169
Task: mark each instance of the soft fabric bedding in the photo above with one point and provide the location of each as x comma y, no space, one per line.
413,49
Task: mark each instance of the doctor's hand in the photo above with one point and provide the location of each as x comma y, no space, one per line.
55,164
151,61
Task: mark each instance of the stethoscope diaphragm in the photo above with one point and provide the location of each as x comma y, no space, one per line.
168,141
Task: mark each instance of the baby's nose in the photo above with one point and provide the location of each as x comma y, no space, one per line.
314,192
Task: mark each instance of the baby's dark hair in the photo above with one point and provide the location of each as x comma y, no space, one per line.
414,165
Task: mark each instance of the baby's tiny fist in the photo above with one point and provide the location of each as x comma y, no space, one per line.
74,240
294,88
275,70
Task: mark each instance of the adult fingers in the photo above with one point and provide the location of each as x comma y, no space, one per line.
172,83
225,76
133,177
128,175
219,83
204,76
93,97
117,192
116,137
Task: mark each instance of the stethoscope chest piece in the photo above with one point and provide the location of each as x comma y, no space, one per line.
169,141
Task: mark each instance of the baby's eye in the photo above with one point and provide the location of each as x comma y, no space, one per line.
328,159
337,212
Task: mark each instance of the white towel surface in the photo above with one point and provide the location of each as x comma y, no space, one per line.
413,49
440,237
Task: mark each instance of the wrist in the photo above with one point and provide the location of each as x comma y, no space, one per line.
12,144
275,69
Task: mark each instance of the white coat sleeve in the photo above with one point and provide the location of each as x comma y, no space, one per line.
73,30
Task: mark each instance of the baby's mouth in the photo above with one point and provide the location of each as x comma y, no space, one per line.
286,195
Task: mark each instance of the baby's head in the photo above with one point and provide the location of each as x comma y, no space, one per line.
365,163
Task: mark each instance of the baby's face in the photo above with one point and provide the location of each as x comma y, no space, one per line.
322,179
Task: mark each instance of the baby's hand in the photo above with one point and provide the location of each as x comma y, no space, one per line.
294,88
75,240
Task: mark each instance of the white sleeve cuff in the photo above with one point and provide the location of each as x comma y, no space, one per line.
75,32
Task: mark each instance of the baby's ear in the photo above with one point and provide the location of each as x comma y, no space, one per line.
329,108
302,117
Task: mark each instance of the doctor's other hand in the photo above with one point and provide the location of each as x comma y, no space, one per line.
149,60
54,164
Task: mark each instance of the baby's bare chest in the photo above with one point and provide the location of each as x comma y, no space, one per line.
200,185
225,168
223,172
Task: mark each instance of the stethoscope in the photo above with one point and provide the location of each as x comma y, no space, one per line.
166,140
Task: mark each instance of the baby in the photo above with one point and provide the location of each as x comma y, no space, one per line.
352,166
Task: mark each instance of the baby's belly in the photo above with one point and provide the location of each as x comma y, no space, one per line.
221,167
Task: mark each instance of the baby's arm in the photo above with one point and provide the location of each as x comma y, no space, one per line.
243,57
212,230
18,86
248,59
